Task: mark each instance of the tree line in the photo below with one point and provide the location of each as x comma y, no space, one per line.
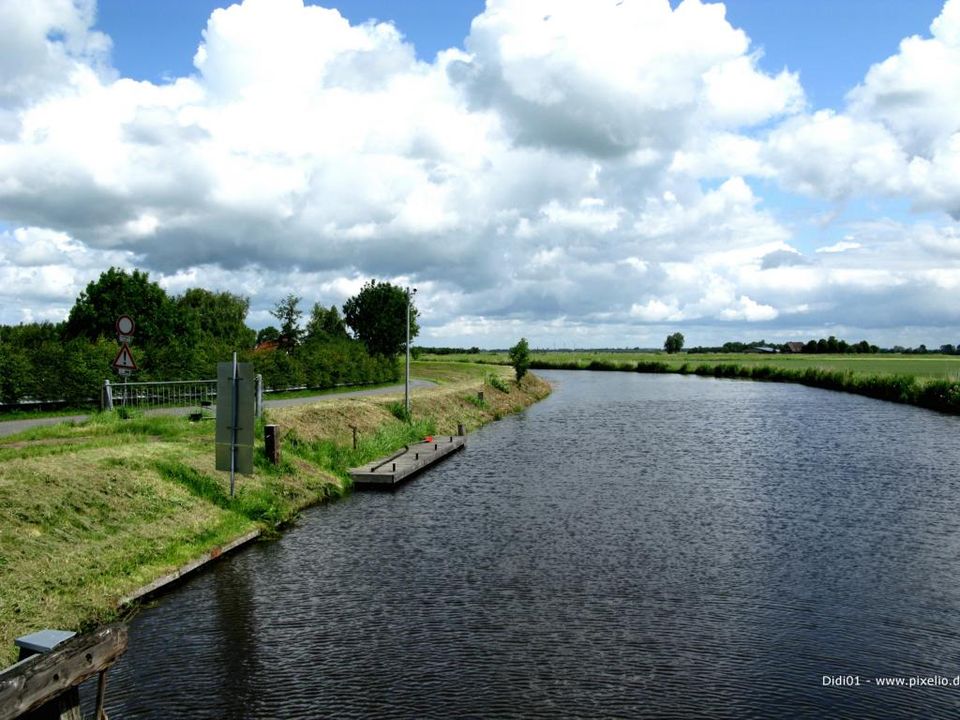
829,345
183,337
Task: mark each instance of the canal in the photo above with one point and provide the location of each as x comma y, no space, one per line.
633,546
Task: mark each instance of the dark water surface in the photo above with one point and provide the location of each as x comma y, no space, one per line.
634,546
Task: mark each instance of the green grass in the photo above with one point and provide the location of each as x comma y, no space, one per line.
497,383
92,511
476,401
444,371
30,414
338,459
295,394
930,381
935,366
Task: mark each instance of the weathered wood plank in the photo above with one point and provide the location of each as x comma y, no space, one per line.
394,469
40,678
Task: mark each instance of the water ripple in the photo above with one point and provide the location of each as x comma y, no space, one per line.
634,546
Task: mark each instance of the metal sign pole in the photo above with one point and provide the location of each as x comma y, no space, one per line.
406,381
233,433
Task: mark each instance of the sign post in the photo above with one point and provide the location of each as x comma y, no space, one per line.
124,363
235,418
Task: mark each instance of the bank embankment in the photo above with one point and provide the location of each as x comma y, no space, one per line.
938,394
92,512
928,382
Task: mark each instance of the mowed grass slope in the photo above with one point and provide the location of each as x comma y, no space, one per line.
90,512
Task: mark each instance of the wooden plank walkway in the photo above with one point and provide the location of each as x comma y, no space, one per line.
390,471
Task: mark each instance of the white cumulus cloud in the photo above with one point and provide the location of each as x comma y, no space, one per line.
579,169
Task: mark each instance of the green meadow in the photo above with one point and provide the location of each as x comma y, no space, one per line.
929,381
926,366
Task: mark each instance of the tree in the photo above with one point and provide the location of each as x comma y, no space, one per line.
520,358
117,292
289,314
268,334
219,317
325,324
16,373
377,316
673,343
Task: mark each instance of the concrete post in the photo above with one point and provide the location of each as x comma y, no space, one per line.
106,398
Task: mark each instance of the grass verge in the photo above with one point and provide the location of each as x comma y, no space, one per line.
92,511
928,382
322,433
942,367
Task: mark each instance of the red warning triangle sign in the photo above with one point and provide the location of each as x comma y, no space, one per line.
124,360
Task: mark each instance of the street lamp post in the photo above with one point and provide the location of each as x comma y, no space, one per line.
406,384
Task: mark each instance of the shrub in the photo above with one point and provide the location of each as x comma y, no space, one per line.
943,395
477,400
601,365
497,382
400,412
653,366
520,358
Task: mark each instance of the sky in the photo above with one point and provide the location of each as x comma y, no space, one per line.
583,173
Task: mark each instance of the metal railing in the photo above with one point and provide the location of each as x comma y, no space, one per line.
168,394
146,395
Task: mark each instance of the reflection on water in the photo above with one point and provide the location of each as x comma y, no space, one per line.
635,545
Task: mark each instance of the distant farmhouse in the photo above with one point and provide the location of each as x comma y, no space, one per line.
793,347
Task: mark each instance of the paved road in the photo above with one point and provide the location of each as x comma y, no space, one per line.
11,427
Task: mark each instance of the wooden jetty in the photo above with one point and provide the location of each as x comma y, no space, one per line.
389,472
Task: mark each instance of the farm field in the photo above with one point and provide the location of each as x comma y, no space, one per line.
920,366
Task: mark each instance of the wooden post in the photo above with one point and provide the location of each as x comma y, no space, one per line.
460,429
99,712
52,678
271,441
480,396
354,428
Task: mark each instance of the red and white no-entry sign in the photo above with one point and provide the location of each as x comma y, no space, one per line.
125,325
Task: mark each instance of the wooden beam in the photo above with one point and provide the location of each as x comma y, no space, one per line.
32,682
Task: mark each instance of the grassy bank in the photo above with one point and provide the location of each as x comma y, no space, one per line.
932,365
90,512
929,381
